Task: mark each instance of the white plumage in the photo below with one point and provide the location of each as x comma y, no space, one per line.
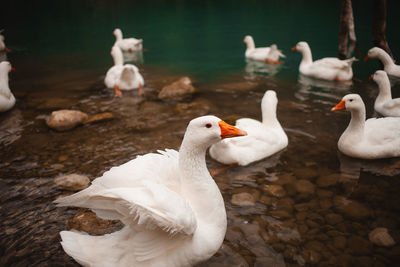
388,64
3,46
329,68
124,76
173,211
7,99
263,139
127,44
384,104
267,54
368,139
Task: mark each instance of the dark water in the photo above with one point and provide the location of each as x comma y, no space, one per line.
61,53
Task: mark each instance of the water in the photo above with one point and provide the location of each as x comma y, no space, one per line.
61,53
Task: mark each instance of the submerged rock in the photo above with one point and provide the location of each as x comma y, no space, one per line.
305,186
72,182
243,199
100,117
274,190
91,224
329,180
350,208
178,90
380,236
65,119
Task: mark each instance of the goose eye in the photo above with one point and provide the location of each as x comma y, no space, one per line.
208,125
351,100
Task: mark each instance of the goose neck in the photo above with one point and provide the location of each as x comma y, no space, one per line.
307,56
268,111
385,59
357,123
384,91
197,184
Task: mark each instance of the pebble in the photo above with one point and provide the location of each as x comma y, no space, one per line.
359,246
72,182
350,208
329,180
91,224
339,242
304,186
178,90
305,173
333,218
243,199
100,117
274,190
380,236
65,119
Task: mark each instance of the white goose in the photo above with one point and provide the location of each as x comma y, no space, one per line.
368,139
173,212
384,104
329,68
267,54
7,99
388,63
3,46
263,140
127,44
124,77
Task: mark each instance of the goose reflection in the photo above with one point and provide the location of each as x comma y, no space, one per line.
332,90
254,68
134,56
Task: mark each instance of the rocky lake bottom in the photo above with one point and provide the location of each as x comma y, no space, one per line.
307,205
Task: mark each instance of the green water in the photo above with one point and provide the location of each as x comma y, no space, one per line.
197,38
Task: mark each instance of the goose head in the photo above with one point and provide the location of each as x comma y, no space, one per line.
350,102
248,40
301,47
374,52
207,130
117,33
379,77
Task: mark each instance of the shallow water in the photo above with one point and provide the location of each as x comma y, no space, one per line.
284,225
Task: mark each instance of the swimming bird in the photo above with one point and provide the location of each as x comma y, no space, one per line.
263,139
384,104
374,138
124,77
127,44
7,99
172,210
329,68
267,54
3,46
388,64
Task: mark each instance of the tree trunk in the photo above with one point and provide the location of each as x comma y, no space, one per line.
379,26
346,30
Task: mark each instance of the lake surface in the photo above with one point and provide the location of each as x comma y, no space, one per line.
310,204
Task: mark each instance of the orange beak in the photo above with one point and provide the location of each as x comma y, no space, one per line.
294,48
243,41
371,78
228,131
341,105
12,68
366,58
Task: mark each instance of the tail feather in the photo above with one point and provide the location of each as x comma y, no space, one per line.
351,60
90,250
